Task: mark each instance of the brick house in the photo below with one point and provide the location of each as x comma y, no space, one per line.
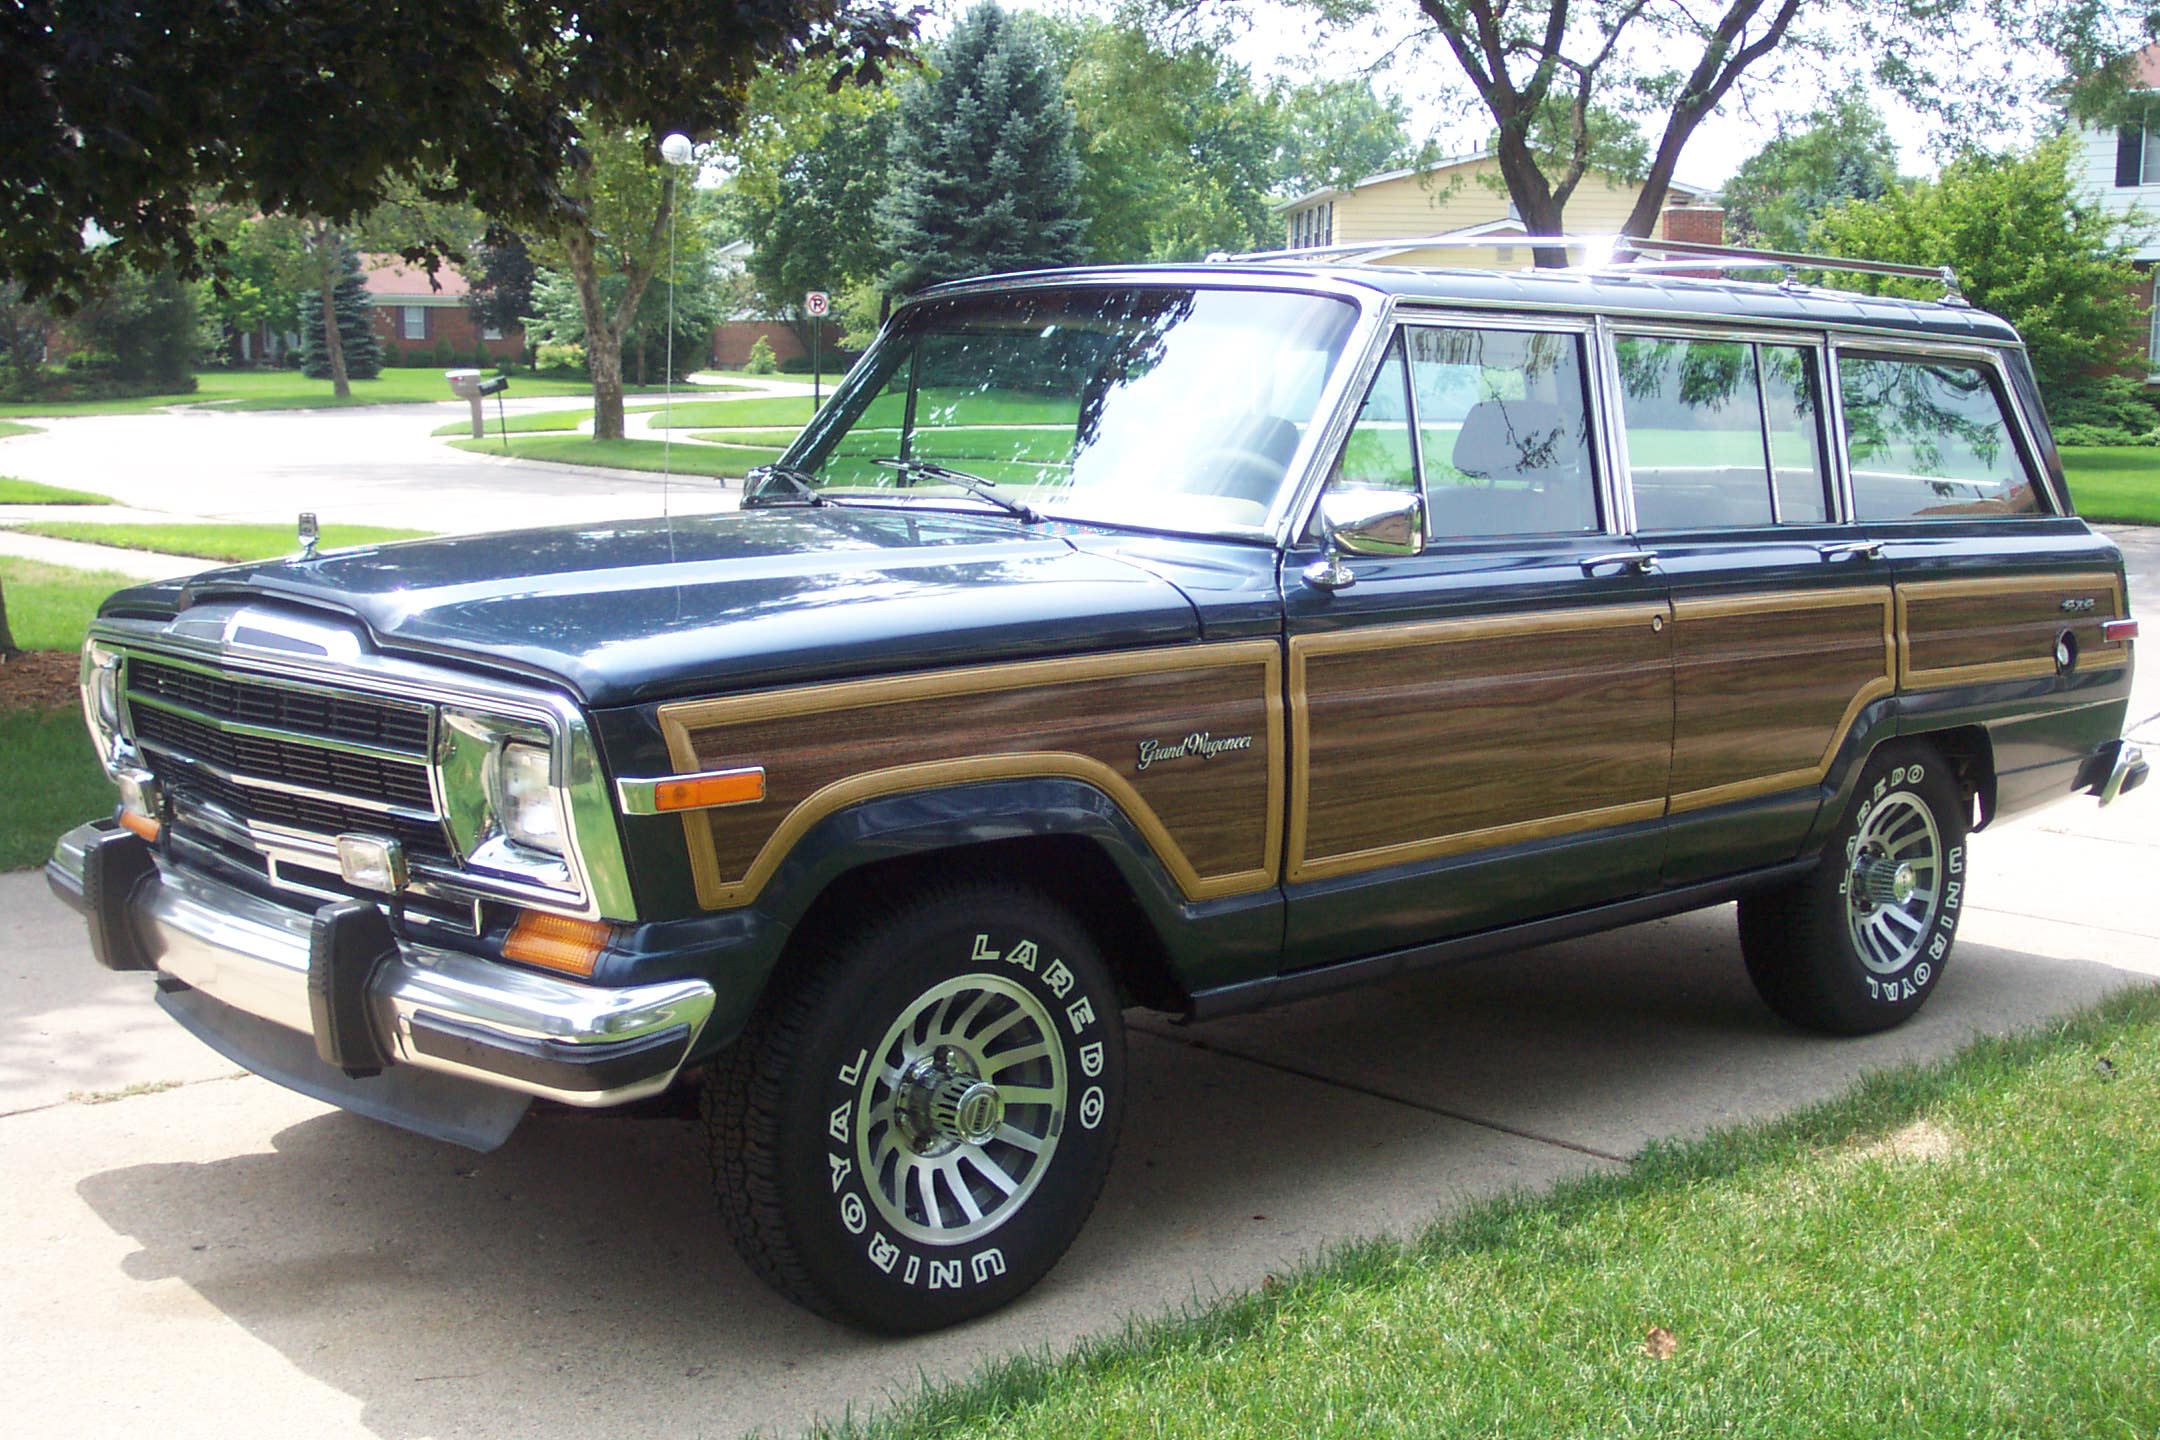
1461,198
414,318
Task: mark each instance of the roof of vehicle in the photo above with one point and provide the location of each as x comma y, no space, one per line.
1611,291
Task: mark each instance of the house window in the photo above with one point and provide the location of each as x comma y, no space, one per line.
415,318
491,332
2137,154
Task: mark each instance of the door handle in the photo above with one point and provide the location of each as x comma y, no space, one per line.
1642,562
1858,549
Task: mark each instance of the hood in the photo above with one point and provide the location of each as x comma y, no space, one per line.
647,610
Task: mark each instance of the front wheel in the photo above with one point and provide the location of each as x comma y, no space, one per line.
1857,944
915,1127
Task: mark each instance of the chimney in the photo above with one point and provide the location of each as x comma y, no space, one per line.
1694,222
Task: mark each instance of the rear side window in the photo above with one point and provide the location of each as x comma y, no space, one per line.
1930,439
1722,433
1503,431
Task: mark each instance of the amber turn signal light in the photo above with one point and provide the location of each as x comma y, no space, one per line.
557,942
704,792
141,825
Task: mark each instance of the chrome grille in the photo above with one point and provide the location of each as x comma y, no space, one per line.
298,757
359,719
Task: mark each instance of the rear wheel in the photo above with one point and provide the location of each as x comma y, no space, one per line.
1858,944
911,1132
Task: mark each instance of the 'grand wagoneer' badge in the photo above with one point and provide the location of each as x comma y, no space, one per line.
1199,743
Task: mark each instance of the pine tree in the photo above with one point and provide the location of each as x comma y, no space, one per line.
356,327
984,175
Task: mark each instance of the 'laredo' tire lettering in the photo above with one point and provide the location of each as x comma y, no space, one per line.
904,1260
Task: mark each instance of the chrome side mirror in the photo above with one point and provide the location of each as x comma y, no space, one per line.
1365,522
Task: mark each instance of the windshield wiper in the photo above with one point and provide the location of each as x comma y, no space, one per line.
975,485
797,479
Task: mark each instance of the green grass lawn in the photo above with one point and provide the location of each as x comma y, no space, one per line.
1964,1250
790,410
29,492
685,459
546,420
290,390
216,542
55,780
9,429
62,783
2114,482
50,606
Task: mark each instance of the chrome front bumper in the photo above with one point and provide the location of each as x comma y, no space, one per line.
412,1006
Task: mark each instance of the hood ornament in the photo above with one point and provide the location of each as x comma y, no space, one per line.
310,533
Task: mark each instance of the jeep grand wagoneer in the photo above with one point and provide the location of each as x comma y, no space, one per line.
1193,638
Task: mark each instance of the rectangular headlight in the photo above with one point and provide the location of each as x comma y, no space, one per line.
530,812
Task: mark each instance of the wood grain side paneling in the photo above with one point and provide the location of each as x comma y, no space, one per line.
1965,632
1215,823
1766,687
1411,742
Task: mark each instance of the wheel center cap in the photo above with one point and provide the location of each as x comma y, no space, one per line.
966,1110
1889,882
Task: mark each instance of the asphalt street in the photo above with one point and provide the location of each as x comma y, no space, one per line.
205,1254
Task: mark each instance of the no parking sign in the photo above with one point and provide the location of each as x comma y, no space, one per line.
817,302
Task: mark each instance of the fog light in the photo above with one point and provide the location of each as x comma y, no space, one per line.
369,862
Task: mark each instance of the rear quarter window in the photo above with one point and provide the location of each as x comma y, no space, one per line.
1929,438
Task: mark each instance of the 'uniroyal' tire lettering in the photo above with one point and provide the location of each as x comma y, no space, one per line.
903,1260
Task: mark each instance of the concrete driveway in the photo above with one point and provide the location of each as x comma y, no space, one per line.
373,465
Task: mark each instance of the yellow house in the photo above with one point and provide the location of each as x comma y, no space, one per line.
1464,199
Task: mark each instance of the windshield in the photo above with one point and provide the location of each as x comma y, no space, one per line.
1173,409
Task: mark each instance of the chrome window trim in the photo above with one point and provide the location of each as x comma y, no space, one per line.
1335,417
1840,460
1402,318
593,855
2024,437
1817,342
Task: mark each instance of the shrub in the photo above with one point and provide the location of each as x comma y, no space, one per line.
562,357
480,357
445,356
761,361
2108,410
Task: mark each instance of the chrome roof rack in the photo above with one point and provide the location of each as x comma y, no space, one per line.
1609,253
1641,254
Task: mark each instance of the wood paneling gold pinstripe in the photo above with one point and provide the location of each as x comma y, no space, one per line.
1215,824
1947,637
1767,686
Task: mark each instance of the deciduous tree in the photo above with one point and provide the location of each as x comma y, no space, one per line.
1840,151
316,107
1667,65
2026,245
